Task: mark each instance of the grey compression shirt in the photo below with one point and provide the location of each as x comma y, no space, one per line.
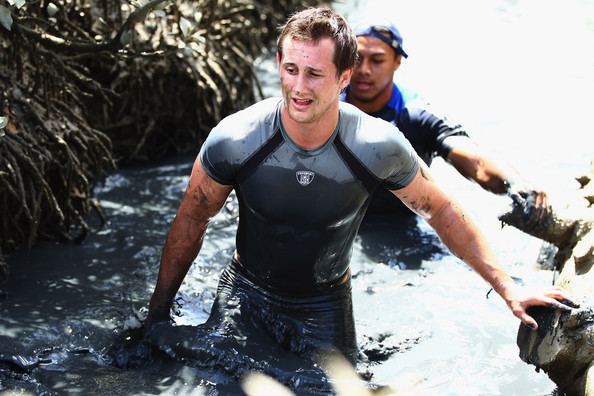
299,210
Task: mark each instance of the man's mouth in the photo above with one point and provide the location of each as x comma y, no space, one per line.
302,103
361,85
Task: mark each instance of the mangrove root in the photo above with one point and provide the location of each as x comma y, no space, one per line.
86,84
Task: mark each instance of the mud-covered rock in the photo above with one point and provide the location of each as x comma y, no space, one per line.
563,346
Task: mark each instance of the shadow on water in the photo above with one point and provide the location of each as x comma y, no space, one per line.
67,309
403,242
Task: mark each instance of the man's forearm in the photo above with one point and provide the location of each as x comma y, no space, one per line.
478,168
459,233
181,248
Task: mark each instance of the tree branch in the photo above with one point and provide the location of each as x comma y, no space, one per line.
113,45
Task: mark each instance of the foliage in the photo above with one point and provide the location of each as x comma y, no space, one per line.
86,82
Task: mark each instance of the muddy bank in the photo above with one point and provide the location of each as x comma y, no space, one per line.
564,346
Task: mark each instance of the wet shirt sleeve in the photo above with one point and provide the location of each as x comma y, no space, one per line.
403,162
218,158
429,132
380,147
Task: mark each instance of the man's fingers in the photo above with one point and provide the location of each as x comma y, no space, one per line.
551,302
528,320
547,301
563,296
538,200
542,206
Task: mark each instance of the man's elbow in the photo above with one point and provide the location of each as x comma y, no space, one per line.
445,216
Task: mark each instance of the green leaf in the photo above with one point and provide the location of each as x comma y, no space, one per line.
199,38
52,9
17,3
5,18
126,37
3,122
185,26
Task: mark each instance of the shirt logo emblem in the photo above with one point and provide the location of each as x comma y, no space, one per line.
304,177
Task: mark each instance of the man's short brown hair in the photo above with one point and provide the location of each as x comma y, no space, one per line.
313,24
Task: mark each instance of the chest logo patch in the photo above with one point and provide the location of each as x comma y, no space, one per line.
304,177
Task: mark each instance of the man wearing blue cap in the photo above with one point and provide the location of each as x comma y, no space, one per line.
372,90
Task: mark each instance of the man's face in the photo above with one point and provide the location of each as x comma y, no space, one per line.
309,83
373,74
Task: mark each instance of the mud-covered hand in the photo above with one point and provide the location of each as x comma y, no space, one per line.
159,312
535,203
519,299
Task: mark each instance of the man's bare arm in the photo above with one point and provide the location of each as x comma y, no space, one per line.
459,233
202,200
475,165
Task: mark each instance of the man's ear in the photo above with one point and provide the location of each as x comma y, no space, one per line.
345,78
397,61
278,58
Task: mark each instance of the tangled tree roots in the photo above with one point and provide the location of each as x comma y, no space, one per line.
169,100
48,156
82,80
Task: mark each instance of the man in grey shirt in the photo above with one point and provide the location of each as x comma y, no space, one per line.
304,167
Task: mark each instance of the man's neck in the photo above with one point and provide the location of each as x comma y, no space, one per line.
374,105
310,135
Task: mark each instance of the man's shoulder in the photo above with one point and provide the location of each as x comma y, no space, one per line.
253,118
371,139
236,138
378,145
353,114
363,127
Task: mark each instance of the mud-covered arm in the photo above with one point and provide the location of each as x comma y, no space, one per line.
463,238
471,162
466,157
201,201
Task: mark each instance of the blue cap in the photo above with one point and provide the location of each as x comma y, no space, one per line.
385,31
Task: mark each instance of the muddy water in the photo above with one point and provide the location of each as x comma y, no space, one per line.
517,73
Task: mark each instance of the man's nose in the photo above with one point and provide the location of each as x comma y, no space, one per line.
300,83
363,66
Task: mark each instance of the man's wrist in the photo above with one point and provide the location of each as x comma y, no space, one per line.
511,186
506,288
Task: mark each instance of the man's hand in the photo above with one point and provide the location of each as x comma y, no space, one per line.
519,299
535,203
156,315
